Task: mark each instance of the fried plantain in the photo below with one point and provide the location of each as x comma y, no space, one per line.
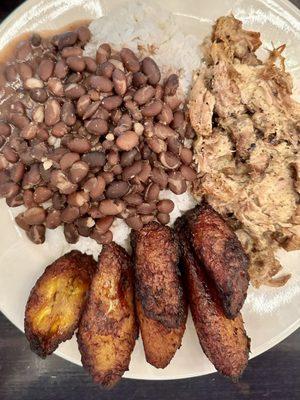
108,328
56,302
160,301
223,340
222,255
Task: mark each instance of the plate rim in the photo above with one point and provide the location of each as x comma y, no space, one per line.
293,9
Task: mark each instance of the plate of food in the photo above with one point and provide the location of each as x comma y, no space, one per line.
149,176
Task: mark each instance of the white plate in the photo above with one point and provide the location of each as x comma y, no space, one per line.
270,314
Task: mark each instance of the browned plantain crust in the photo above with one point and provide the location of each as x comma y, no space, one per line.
222,255
56,302
108,327
160,342
161,304
223,340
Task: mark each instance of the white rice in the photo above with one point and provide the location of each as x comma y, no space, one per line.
136,24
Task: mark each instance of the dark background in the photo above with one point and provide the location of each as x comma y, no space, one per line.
274,375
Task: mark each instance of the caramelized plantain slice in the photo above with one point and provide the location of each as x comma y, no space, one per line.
56,302
222,255
160,301
108,328
160,342
223,340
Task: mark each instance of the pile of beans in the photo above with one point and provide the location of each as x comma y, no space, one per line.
86,140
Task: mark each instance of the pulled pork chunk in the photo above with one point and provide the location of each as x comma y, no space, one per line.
247,146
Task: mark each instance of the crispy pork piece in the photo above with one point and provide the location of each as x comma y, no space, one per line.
160,301
56,302
108,328
223,340
222,255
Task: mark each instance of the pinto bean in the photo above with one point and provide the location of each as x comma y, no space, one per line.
163,218
111,102
36,234
68,114
133,199
78,171
163,131
34,216
166,115
53,219
45,69
111,207
84,34
5,129
79,145
134,222
58,201
91,65
172,101
160,177
105,69
25,71
15,201
145,208
61,69
132,170
144,95
152,109
91,110
139,79
152,192
186,156
52,112
103,224
101,83
62,183
104,238
55,87
95,159
127,140
117,189
17,172
119,81
130,60
169,160
188,173
10,154
71,233
103,53
78,199
165,206
42,194
151,70
68,160
171,85
9,189
176,182
128,157
31,177
96,126
69,214
95,186
66,39
74,91
76,63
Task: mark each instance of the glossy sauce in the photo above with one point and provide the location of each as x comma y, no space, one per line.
8,51
8,56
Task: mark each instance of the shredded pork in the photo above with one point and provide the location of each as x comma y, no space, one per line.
247,146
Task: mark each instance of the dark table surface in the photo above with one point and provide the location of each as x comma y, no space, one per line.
274,375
